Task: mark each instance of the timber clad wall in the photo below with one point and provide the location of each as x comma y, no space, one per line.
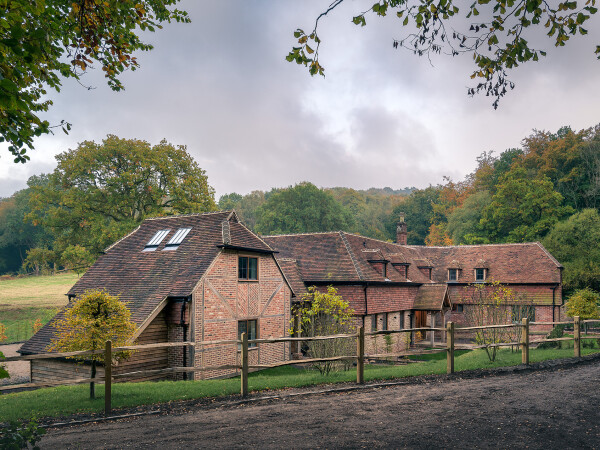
57,370
222,300
156,358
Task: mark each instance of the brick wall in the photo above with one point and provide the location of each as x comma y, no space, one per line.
530,294
221,301
382,299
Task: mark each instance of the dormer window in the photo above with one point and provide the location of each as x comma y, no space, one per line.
479,274
177,239
452,274
156,240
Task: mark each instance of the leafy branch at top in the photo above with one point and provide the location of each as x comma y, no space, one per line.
44,41
497,34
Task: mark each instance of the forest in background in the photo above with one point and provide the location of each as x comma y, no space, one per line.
547,190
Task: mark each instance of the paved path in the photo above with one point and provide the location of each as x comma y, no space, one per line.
544,409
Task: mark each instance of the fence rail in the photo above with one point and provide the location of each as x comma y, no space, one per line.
244,343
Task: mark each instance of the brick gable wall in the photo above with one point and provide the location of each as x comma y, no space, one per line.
221,300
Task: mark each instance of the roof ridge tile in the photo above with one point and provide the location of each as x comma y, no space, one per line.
352,256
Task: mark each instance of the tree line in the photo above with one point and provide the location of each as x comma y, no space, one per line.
547,190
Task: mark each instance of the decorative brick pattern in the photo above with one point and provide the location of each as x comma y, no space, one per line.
221,301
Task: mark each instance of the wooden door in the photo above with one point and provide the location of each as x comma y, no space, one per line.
420,322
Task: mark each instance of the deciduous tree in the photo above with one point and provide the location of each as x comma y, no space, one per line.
43,42
99,192
584,303
490,304
303,208
76,258
93,319
497,33
325,314
575,242
523,208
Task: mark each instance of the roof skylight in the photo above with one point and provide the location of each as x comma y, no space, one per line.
177,238
156,240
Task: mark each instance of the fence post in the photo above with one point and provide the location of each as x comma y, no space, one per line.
244,364
108,377
360,353
577,336
525,341
450,347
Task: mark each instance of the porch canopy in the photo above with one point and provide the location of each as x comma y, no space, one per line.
432,297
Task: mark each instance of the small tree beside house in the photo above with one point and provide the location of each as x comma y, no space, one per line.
323,314
92,320
585,304
492,304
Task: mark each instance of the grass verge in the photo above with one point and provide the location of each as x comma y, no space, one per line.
20,322
66,400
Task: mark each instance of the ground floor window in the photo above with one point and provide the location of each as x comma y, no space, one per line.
457,308
248,327
519,312
384,322
374,322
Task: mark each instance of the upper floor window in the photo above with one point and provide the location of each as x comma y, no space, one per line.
247,268
479,274
452,274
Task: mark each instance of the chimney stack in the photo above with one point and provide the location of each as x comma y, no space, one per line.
401,232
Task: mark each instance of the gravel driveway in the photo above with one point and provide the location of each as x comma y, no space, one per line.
18,370
550,408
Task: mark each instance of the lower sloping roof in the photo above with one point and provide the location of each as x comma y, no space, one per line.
431,297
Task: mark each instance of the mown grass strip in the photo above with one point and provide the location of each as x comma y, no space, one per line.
67,400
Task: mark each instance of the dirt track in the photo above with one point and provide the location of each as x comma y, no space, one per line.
556,408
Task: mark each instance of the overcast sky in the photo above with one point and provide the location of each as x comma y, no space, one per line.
380,117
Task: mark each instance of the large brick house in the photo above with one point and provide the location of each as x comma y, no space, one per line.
206,277
395,285
198,277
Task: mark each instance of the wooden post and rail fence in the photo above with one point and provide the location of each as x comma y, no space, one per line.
245,367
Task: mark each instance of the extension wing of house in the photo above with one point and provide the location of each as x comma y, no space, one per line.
395,286
200,278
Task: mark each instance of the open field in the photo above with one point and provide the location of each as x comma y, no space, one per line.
24,300
66,400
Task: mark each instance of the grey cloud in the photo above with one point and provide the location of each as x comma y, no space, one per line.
253,121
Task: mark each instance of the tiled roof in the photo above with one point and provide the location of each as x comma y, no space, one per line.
430,297
344,257
145,279
507,263
340,256
292,274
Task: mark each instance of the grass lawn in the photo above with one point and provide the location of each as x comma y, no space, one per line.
64,400
23,300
